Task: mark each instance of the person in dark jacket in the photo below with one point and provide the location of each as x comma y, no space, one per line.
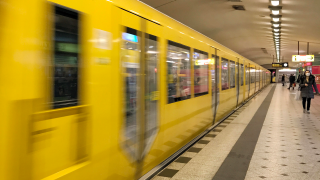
283,79
292,80
306,82
298,79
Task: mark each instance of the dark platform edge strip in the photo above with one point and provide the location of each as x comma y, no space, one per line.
236,164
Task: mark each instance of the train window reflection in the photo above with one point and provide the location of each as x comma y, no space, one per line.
201,65
247,75
241,75
152,94
224,74
178,69
232,74
215,80
66,58
130,59
253,75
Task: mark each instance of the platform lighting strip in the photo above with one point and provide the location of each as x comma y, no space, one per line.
276,24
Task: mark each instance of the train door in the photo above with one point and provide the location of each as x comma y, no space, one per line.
139,65
215,76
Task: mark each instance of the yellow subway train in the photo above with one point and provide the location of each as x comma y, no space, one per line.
101,89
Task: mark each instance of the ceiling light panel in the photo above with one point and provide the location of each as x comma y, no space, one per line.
275,3
276,19
275,12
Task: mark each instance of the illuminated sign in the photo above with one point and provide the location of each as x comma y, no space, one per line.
302,58
285,64
307,64
129,37
204,62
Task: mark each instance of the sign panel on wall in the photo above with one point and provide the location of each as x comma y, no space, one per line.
302,58
284,64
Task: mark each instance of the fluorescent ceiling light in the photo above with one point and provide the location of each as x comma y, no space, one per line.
276,25
275,12
276,37
276,19
277,34
276,30
275,3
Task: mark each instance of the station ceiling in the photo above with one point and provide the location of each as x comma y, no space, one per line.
248,31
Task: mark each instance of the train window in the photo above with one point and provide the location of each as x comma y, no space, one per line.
232,74
178,69
218,71
241,75
130,62
253,75
66,58
151,86
224,74
201,67
247,75
257,75
216,68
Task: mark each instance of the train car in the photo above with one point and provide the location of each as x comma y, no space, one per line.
107,89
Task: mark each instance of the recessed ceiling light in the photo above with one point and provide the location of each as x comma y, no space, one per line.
275,3
276,25
276,19
276,30
277,34
275,12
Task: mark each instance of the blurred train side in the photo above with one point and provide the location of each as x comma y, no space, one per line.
88,140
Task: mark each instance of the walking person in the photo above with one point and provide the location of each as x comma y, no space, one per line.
283,79
292,80
306,82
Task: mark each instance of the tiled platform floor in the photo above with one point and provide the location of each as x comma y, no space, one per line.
288,146
289,142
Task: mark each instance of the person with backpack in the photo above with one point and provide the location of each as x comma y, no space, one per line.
306,82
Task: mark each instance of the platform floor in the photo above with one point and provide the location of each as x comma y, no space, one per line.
268,138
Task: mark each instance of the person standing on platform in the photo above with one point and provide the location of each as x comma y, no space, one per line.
306,82
292,80
298,79
283,79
